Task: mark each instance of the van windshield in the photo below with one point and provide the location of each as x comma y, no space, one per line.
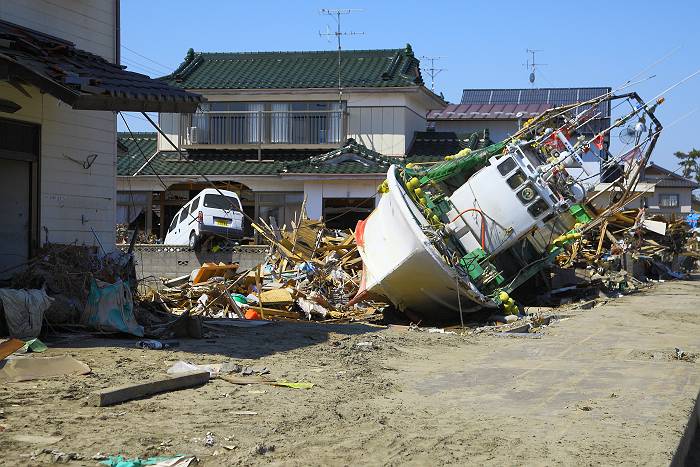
221,202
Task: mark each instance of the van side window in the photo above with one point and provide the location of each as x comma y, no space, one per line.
195,205
183,214
173,224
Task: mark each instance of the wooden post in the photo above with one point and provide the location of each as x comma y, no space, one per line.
162,215
149,213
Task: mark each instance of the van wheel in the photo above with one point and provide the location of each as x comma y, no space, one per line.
194,241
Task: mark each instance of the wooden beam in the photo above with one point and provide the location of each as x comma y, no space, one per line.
117,395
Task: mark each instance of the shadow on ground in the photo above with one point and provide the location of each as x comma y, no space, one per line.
234,342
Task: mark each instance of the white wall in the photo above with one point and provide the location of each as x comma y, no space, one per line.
170,124
316,190
498,129
381,120
73,199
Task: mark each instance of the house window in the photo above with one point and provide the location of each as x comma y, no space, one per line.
669,200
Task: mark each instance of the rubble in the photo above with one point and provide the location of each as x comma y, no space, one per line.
311,272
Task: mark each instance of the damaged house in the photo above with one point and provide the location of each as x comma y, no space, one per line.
275,129
60,87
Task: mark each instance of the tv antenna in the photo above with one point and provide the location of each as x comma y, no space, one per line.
532,65
336,13
432,71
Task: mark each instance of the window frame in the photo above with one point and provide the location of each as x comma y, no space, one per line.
665,198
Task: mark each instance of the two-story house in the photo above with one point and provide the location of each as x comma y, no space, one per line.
277,129
60,85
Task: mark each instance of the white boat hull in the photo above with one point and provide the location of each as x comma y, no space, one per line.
400,263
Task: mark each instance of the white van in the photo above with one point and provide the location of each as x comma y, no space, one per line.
211,213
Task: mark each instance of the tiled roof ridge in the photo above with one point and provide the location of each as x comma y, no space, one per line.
299,52
399,68
137,134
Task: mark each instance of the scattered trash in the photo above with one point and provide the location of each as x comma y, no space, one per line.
261,448
59,457
24,311
27,369
158,461
110,308
34,345
271,382
153,344
245,412
209,440
215,369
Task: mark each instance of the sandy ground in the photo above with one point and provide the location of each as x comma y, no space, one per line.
598,387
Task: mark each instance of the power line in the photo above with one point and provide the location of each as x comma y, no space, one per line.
432,71
337,13
134,63
149,59
146,159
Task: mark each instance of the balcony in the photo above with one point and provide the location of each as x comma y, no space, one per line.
288,129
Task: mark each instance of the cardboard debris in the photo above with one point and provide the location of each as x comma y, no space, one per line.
28,369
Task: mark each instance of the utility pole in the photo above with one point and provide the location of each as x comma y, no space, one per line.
336,14
432,71
532,65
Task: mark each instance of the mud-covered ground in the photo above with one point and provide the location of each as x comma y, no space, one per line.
601,386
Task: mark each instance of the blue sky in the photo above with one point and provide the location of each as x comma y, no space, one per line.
592,43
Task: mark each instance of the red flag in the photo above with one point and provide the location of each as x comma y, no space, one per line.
598,142
634,153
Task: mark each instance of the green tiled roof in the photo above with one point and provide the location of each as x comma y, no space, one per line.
351,158
430,146
130,162
297,70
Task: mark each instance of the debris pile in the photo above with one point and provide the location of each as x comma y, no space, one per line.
66,273
645,246
311,272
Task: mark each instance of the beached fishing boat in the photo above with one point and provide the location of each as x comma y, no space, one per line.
462,234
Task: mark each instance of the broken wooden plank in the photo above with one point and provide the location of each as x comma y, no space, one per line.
119,394
9,347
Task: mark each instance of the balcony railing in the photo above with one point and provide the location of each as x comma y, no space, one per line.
326,127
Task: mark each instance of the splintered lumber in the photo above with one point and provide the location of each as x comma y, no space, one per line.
119,394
